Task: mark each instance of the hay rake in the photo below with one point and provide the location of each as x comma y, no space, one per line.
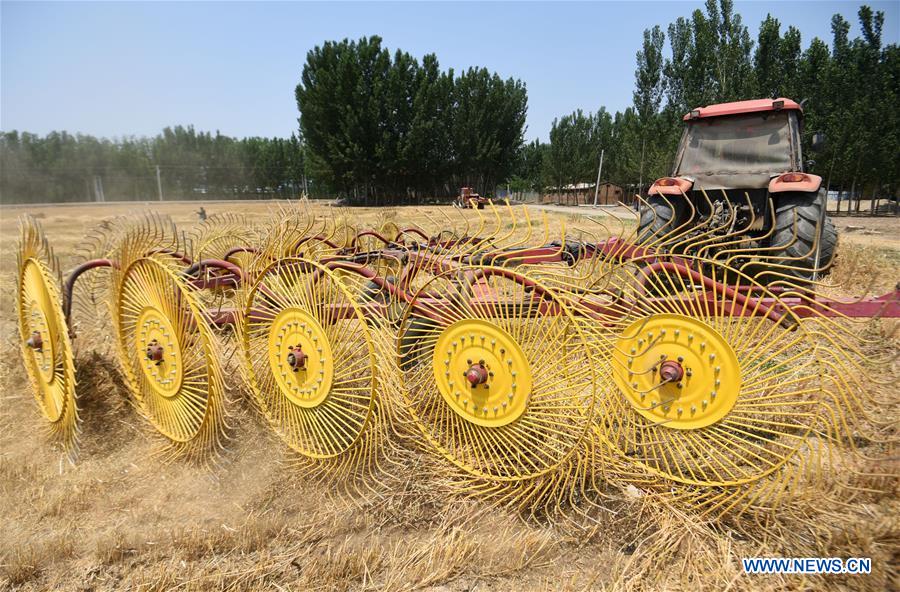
535,365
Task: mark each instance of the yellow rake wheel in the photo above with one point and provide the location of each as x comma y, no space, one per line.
310,359
496,374
44,336
707,396
214,238
169,354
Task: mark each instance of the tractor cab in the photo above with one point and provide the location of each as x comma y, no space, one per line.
739,169
743,150
733,151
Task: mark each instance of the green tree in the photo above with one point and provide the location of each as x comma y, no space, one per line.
488,127
378,127
649,81
767,63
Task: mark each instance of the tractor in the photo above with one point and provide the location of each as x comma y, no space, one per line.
739,168
469,199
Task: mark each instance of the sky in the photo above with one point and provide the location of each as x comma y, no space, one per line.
131,68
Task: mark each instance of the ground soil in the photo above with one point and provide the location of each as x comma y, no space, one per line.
122,519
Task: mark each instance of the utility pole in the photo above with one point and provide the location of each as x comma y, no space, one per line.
599,170
98,188
159,184
641,177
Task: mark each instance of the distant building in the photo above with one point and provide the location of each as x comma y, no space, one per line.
583,194
609,194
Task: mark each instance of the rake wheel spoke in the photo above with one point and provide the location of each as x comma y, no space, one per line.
708,394
169,354
496,376
309,359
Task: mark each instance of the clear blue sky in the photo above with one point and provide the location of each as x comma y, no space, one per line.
113,69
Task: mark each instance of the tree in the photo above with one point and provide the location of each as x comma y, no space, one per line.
64,167
791,55
488,127
388,128
529,171
731,48
767,62
649,81
430,144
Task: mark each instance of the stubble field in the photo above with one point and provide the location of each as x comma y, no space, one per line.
120,519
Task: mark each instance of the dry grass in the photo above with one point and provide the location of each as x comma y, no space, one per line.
865,267
122,520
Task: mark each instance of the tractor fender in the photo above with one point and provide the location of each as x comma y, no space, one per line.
804,182
671,186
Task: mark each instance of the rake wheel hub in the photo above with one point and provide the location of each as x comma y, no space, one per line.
157,340
477,374
482,372
671,371
154,351
300,357
296,359
35,342
42,349
677,371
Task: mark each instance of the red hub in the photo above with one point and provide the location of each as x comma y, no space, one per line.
296,359
154,352
671,371
477,374
35,342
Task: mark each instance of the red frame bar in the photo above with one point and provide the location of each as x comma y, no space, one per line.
744,303
69,287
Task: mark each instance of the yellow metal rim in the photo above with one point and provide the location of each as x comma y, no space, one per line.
154,329
182,395
293,329
503,396
39,307
324,408
711,380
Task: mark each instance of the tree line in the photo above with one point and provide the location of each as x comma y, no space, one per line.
849,90
77,167
378,127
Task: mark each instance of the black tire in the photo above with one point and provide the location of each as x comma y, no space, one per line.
799,253
661,217
372,292
417,328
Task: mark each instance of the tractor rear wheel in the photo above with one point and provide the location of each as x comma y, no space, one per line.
795,246
661,217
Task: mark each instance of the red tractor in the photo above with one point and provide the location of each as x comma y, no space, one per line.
469,199
739,169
